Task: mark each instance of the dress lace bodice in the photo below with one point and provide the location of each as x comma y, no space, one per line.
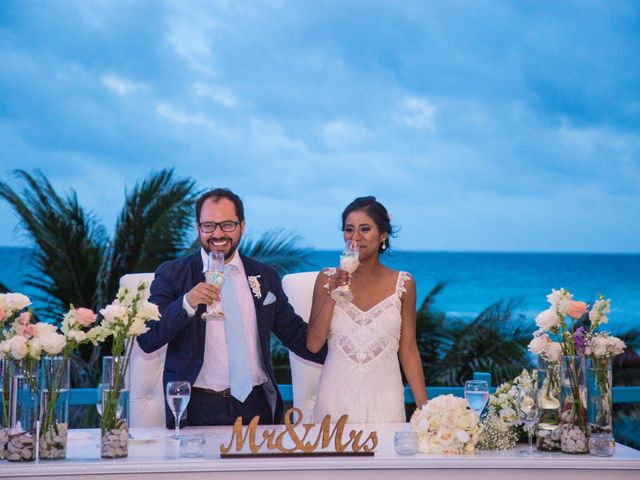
361,376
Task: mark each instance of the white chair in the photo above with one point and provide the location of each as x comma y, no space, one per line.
305,375
146,396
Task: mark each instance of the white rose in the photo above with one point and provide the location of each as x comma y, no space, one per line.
35,349
538,344
15,301
52,343
41,329
554,352
547,319
18,347
508,416
462,436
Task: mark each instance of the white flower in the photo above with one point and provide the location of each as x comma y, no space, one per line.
560,300
52,343
35,349
543,346
18,347
97,334
13,302
42,329
255,285
114,313
462,436
148,311
138,327
598,313
77,336
604,345
548,320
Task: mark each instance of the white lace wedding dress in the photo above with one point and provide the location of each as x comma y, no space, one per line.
361,375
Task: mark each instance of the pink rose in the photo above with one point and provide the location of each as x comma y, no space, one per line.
20,330
85,317
28,330
577,309
24,318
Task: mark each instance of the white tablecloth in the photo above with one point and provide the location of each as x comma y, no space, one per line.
159,458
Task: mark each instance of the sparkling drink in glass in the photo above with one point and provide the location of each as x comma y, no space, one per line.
476,392
214,275
349,261
178,395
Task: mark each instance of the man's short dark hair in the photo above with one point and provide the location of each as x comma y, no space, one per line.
216,195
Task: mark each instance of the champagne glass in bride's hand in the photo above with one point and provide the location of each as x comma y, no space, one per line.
178,395
214,275
528,412
349,261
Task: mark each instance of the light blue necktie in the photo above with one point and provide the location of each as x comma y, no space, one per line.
239,374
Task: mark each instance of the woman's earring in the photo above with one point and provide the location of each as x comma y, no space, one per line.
384,246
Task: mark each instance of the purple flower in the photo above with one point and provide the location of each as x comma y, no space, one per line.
579,341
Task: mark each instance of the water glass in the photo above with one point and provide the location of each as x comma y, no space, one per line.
476,392
405,443
178,395
192,445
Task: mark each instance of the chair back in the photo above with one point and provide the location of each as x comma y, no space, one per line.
305,375
146,396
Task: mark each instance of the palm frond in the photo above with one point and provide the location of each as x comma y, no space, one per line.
151,228
68,243
279,248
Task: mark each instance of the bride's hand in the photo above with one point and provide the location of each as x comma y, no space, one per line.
341,277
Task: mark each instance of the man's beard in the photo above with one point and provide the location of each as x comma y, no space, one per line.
232,249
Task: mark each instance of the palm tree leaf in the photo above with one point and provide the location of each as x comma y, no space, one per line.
68,243
151,228
279,248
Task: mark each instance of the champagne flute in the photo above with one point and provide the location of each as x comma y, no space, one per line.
528,412
214,275
178,395
477,394
349,261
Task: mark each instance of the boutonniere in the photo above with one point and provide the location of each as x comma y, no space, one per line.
255,285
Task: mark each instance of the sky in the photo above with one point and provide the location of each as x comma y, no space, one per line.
481,125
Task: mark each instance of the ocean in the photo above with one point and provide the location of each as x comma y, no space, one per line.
474,280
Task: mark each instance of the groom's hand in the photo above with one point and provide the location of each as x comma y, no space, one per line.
202,293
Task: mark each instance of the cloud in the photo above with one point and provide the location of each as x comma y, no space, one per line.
222,96
121,86
416,113
341,133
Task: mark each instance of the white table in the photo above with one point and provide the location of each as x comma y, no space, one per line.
159,459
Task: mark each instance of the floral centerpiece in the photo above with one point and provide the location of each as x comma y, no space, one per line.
55,379
446,425
560,319
124,319
501,424
24,344
11,306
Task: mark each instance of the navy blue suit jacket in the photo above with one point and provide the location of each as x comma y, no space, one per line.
185,336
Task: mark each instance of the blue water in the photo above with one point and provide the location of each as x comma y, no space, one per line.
475,280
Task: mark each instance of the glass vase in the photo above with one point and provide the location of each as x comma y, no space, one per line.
5,381
114,441
54,408
573,417
599,382
548,428
23,411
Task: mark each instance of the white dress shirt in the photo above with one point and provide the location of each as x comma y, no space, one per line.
214,374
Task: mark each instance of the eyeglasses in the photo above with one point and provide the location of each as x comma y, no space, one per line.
227,226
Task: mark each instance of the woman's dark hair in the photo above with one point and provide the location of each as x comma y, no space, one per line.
216,195
378,214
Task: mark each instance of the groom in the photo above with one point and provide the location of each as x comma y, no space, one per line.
227,361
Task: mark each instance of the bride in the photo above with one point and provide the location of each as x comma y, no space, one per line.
366,336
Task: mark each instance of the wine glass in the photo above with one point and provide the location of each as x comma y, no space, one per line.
178,395
214,275
349,263
477,394
528,412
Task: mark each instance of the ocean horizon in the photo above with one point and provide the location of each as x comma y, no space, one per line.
474,280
